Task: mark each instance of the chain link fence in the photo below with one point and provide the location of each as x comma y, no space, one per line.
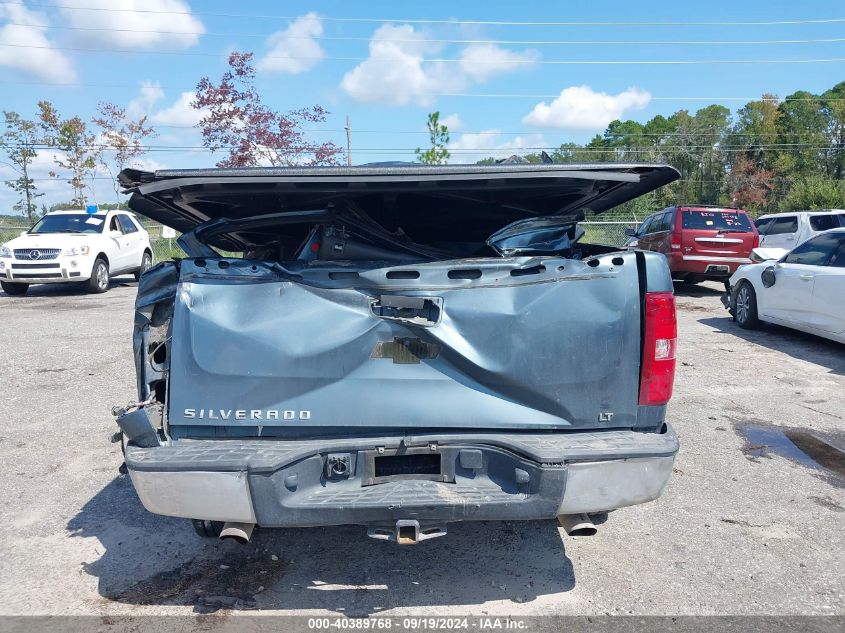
608,233
12,228
165,247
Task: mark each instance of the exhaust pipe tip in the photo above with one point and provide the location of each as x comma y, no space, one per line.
240,532
577,525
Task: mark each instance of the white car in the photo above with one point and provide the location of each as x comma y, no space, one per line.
75,246
804,289
787,230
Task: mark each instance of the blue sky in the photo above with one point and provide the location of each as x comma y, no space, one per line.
369,61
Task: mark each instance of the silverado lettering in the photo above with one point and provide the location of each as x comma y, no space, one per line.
246,414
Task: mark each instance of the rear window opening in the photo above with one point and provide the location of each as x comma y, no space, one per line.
736,221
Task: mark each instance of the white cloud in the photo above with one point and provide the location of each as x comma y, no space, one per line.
470,148
137,24
581,108
452,121
142,105
396,73
177,114
294,50
41,60
180,114
482,61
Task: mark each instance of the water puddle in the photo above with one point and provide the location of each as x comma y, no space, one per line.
810,449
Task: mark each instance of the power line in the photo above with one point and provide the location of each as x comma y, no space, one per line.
433,94
832,40
551,62
449,22
523,132
504,95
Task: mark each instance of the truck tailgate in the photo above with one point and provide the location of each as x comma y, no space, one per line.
514,343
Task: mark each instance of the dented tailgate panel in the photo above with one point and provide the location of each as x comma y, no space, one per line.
458,344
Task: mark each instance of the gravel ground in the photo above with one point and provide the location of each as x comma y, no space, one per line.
733,533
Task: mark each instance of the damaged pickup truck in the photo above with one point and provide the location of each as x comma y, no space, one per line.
399,347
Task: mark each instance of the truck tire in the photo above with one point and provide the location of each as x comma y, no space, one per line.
13,289
146,262
99,281
207,529
745,306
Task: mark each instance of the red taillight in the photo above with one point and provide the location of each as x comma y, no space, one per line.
756,242
676,241
661,330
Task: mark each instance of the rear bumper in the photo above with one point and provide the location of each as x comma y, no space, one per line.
280,483
706,266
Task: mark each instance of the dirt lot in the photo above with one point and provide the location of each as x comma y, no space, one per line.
739,530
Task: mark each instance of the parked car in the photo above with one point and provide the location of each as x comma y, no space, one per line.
804,290
788,230
401,347
85,246
699,242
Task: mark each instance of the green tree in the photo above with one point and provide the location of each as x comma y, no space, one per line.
438,135
834,107
711,125
771,154
802,127
815,192
627,140
78,154
124,137
756,128
754,165
18,143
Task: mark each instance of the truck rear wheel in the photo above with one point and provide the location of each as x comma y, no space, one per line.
207,529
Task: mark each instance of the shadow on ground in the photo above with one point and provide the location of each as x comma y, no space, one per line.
807,347
71,289
153,560
714,289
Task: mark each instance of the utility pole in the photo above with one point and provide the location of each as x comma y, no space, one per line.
348,143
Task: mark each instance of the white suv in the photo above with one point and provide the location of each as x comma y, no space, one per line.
76,246
788,230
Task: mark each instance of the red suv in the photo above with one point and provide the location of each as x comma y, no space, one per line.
699,242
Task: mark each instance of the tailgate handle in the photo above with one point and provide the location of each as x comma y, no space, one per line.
424,311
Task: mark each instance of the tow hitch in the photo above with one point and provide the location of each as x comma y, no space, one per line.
405,532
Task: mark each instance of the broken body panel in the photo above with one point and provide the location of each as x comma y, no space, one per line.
453,353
